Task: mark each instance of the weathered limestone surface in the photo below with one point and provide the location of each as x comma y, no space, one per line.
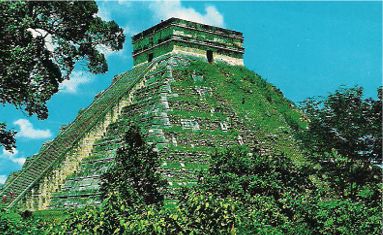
202,54
40,198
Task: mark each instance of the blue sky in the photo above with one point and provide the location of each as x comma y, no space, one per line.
304,48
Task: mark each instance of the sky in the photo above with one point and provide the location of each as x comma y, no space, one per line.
306,49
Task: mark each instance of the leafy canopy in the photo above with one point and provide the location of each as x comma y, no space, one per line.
40,42
347,122
275,196
134,174
7,137
244,192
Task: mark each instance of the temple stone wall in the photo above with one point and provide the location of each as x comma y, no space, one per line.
181,36
228,59
189,51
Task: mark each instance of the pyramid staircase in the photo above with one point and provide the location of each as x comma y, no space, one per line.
80,130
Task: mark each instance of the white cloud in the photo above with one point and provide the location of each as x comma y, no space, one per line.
107,51
28,131
104,13
12,157
10,154
3,178
77,79
127,3
18,160
42,33
164,10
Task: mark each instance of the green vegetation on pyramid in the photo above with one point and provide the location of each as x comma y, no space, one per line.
186,107
254,108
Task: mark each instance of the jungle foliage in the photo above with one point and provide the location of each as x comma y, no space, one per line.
347,122
134,174
243,192
40,43
7,137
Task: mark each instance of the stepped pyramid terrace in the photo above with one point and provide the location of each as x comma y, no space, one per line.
190,95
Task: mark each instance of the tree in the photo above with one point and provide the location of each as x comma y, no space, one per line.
348,178
274,195
134,174
132,190
347,122
7,137
259,183
40,42
241,173
345,132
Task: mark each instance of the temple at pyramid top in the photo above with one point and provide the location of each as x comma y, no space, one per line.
181,36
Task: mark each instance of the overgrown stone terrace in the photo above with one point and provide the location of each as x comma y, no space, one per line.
185,106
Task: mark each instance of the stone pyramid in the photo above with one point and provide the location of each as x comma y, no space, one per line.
188,92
